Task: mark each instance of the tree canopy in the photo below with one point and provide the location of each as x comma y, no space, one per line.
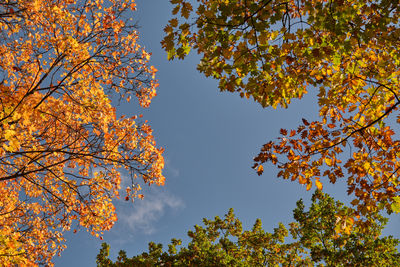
62,146
345,52
314,241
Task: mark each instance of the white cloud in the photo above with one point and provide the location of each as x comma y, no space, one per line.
146,212
170,168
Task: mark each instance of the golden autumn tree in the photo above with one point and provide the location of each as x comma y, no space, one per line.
345,52
62,146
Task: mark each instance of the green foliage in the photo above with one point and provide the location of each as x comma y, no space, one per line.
315,241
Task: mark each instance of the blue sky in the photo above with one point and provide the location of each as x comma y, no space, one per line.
210,139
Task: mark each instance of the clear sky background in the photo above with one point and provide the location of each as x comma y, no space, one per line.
210,139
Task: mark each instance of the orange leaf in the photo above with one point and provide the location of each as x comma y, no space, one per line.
309,185
260,169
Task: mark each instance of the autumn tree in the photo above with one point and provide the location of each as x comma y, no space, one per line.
345,52
223,242
62,147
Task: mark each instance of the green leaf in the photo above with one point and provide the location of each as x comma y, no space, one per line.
396,204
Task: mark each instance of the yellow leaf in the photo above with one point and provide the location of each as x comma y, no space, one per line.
8,134
328,161
318,184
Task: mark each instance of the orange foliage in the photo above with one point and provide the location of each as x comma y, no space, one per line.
345,52
62,147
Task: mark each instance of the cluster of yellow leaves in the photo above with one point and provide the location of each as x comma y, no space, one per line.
346,51
62,147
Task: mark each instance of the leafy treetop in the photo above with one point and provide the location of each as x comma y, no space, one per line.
223,242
